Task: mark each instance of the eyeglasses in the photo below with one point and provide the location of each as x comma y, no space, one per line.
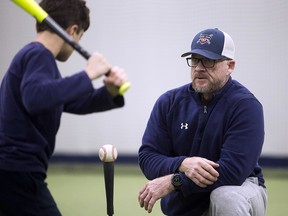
207,63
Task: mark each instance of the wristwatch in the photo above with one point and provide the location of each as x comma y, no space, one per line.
176,181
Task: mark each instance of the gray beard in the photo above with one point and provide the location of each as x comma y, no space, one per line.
210,89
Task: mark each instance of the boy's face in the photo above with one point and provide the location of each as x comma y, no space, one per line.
67,50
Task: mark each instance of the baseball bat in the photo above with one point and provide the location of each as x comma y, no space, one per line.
34,9
109,186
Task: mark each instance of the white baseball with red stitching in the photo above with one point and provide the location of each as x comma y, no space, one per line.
108,153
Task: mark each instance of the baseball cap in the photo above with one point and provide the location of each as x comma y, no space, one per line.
212,44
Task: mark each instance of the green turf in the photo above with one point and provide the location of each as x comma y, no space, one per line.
80,190
277,188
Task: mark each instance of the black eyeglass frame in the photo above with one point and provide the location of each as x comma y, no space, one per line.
211,61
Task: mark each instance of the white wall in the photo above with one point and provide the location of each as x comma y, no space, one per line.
147,38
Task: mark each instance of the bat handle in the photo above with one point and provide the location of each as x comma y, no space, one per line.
81,51
122,89
109,186
61,32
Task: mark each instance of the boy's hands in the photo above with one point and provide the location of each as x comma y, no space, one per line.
114,80
97,66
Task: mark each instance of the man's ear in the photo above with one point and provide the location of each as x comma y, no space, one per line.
231,66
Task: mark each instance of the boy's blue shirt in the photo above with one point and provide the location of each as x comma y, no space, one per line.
33,96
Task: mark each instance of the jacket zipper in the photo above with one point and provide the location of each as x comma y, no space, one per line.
205,109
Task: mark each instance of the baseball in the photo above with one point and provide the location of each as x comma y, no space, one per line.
108,153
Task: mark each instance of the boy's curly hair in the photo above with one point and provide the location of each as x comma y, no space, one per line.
66,13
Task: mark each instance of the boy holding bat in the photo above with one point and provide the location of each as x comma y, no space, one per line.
33,96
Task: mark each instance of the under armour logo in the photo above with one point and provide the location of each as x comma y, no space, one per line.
184,126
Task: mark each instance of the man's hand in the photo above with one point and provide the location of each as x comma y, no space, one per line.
153,191
200,170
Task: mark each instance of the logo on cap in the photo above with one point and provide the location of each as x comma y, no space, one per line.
205,38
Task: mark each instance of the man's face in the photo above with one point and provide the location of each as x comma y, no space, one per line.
208,80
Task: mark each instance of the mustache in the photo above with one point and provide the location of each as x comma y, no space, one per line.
201,76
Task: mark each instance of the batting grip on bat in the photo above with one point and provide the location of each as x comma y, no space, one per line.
31,7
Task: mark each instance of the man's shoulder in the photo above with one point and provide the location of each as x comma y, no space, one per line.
177,97
238,93
177,93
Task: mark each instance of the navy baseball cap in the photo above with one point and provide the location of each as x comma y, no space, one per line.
212,44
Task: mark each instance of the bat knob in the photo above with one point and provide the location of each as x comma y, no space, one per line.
124,87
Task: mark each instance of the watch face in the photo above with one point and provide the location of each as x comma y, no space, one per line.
176,180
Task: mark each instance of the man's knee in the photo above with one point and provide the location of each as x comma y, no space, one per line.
247,199
224,196
225,200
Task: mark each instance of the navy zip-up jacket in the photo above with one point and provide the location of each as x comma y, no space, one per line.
229,130
33,96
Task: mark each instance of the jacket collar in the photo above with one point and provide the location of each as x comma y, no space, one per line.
217,94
